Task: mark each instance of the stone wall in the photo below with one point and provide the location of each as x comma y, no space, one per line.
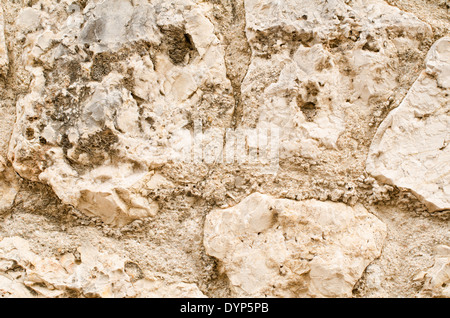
224,148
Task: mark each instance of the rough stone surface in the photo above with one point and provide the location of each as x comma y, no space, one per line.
115,118
3,49
314,62
104,102
283,248
410,148
437,278
89,273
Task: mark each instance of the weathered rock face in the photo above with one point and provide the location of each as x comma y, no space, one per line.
8,185
437,278
3,50
410,148
115,118
315,64
284,248
115,85
112,86
88,274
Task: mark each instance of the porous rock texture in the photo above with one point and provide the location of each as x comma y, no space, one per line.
114,126
437,278
410,148
90,273
286,248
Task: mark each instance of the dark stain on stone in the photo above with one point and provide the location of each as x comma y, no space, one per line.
178,43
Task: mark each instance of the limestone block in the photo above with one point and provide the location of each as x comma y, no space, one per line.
121,81
437,278
94,274
272,247
410,149
314,62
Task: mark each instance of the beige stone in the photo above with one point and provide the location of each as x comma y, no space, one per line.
298,82
8,185
410,149
437,278
100,101
4,60
272,247
97,151
95,274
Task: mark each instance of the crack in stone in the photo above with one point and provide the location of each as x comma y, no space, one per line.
237,52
